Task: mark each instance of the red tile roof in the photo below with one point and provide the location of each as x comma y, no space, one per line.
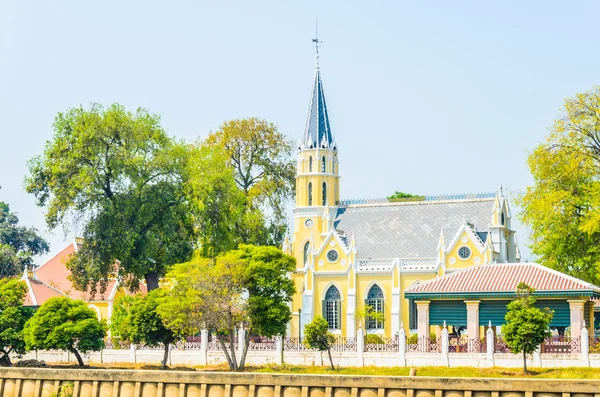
39,293
503,277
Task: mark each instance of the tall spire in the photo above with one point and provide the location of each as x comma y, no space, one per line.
318,131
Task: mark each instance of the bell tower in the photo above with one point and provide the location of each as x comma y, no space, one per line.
317,174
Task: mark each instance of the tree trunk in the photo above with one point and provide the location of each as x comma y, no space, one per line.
151,280
330,359
232,336
163,364
78,357
232,365
524,362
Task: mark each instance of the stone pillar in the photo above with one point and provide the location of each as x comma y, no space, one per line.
360,347
490,341
203,346
423,324
576,307
445,347
241,340
585,345
402,345
132,353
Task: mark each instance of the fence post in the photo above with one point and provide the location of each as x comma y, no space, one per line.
402,345
360,347
489,340
241,340
585,345
203,346
279,349
445,358
132,353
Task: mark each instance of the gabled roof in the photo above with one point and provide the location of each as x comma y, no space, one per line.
38,293
502,279
410,229
318,131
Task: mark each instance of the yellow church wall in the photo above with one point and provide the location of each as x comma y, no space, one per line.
406,280
364,283
460,263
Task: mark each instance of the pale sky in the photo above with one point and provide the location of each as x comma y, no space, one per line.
426,97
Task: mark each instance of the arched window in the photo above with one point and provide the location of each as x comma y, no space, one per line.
324,193
306,249
332,308
323,164
502,218
310,164
310,193
375,301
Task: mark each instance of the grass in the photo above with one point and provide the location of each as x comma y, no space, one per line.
445,372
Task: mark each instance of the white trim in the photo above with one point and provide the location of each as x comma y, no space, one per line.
468,257
332,283
370,285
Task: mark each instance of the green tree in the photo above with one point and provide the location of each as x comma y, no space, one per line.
401,196
120,320
562,208
368,313
526,325
146,325
18,244
317,336
264,171
12,318
118,176
248,286
65,324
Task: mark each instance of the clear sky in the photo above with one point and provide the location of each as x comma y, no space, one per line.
426,97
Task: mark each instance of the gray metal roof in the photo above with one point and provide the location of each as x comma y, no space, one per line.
410,229
318,131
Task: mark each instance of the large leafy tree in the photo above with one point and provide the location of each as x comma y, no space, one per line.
526,325
12,318
264,171
18,244
62,323
118,176
562,208
248,286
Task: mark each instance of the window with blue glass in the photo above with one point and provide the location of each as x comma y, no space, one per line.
332,305
375,300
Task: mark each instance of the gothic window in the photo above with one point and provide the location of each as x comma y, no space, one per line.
412,314
332,306
324,193
310,164
502,218
310,193
306,249
323,164
375,301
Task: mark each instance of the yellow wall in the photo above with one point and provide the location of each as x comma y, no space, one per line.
463,263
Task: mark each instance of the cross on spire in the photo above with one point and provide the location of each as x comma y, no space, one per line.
317,42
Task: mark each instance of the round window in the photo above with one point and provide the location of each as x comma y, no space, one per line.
464,253
309,223
332,256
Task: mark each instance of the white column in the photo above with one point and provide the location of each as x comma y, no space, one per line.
423,324
307,309
473,319
490,339
396,310
402,345
576,307
360,347
350,311
445,347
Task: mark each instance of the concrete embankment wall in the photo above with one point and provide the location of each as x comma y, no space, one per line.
113,383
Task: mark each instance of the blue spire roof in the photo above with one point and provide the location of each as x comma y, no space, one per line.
318,132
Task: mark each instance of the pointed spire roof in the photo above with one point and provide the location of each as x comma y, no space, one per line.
318,131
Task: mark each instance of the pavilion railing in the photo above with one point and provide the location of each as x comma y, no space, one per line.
424,344
467,345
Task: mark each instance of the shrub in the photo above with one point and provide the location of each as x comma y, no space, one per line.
374,339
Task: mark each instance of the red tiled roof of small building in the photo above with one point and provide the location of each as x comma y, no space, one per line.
503,277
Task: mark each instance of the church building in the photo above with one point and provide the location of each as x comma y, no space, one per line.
353,253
